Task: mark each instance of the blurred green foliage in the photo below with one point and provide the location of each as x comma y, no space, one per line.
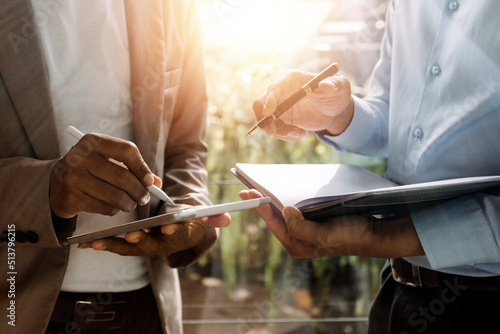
247,253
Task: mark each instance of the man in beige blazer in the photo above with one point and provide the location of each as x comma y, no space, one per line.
169,110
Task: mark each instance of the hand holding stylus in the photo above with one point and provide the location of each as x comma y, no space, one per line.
87,179
77,134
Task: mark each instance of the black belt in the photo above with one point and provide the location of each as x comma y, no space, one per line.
410,274
98,311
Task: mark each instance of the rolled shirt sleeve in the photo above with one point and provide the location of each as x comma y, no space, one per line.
459,232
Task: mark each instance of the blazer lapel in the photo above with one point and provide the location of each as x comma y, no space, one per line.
23,69
147,63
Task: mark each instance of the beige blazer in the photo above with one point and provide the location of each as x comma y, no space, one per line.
169,118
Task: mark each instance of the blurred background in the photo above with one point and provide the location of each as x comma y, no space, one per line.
248,283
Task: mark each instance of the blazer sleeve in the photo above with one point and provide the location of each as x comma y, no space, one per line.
185,176
24,203
185,152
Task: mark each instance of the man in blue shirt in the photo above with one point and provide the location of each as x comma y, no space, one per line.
434,111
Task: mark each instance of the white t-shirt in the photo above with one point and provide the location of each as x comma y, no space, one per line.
86,50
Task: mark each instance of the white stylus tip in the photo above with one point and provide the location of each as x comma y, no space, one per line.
74,132
160,194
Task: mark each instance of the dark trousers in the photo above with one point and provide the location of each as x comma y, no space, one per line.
107,313
401,309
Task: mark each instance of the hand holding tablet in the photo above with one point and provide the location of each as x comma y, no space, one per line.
168,218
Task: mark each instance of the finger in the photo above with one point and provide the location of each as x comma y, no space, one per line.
297,248
135,237
117,186
118,177
157,181
118,246
91,204
290,132
271,101
305,230
170,229
74,196
154,245
222,220
295,222
100,197
337,88
273,220
127,246
258,107
333,84
288,84
85,245
122,151
285,86
184,235
136,244
307,238
113,190
243,194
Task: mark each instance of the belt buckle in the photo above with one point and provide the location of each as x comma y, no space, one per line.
415,270
405,272
94,315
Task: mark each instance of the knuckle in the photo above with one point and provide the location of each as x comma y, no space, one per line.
113,212
258,105
71,178
73,158
143,169
103,209
122,201
122,177
342,80
90,140
131,149
91,137
272,87
295,74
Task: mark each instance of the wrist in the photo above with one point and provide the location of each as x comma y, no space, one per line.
394,237
341,122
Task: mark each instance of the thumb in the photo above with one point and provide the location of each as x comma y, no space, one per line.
336,85
302,229
293,218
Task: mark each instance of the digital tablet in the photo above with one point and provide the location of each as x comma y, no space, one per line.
168,218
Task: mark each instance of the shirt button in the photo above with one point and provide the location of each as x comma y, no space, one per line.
418,133
435,70
453,5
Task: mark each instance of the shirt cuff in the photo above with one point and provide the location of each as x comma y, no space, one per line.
455,233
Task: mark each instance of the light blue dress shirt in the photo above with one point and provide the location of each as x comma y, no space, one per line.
434,111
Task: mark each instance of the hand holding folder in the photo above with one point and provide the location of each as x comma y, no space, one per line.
322,191
326,210
342,235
